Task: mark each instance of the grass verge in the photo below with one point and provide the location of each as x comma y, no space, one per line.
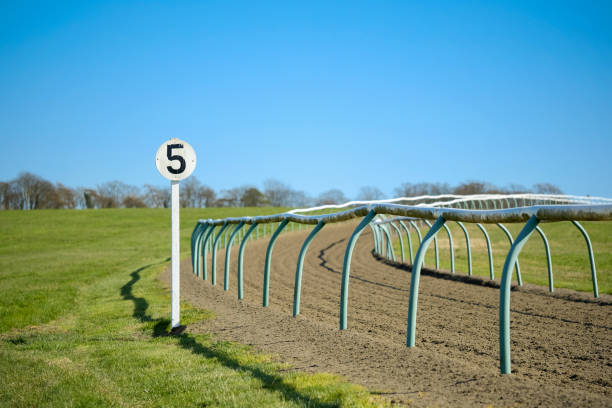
84,322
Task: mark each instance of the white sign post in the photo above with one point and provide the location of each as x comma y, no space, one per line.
175,160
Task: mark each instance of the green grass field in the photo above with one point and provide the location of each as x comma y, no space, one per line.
570,262
84,321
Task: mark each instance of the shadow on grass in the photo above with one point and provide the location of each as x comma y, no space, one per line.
270,381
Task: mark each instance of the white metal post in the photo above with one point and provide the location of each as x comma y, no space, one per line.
176,254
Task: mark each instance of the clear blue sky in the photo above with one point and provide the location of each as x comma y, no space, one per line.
318,95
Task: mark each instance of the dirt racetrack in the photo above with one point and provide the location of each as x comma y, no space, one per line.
560,345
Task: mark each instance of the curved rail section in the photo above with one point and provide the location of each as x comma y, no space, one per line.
530,209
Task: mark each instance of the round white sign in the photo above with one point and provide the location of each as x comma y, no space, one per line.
175,159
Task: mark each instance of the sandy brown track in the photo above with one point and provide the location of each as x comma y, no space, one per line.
561,346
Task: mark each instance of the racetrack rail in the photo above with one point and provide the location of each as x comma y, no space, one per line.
539,208
562,343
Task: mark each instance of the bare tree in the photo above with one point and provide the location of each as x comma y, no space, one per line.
52,199
189,192
157,197
546,188
333,196
9,196
299,199
368,193
4,195
277,193
33,190
232,197
66,196
112,193
207,196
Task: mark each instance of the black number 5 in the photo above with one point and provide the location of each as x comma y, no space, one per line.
172,157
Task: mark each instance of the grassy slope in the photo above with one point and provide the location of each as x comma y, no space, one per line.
570,262
83,321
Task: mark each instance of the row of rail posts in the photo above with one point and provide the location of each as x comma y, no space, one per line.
202,233
468,248
401,223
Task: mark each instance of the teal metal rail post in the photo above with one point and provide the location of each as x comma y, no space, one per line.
195,248
551,287
489,250
240,272
409,240
375,238
297,287
591,257
401,240
467,246
205,246
451,248
213,268
379,243
504,294
389,245
346,267
195,236
414,281
266,284
228,251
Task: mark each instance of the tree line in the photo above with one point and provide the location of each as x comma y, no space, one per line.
29,191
